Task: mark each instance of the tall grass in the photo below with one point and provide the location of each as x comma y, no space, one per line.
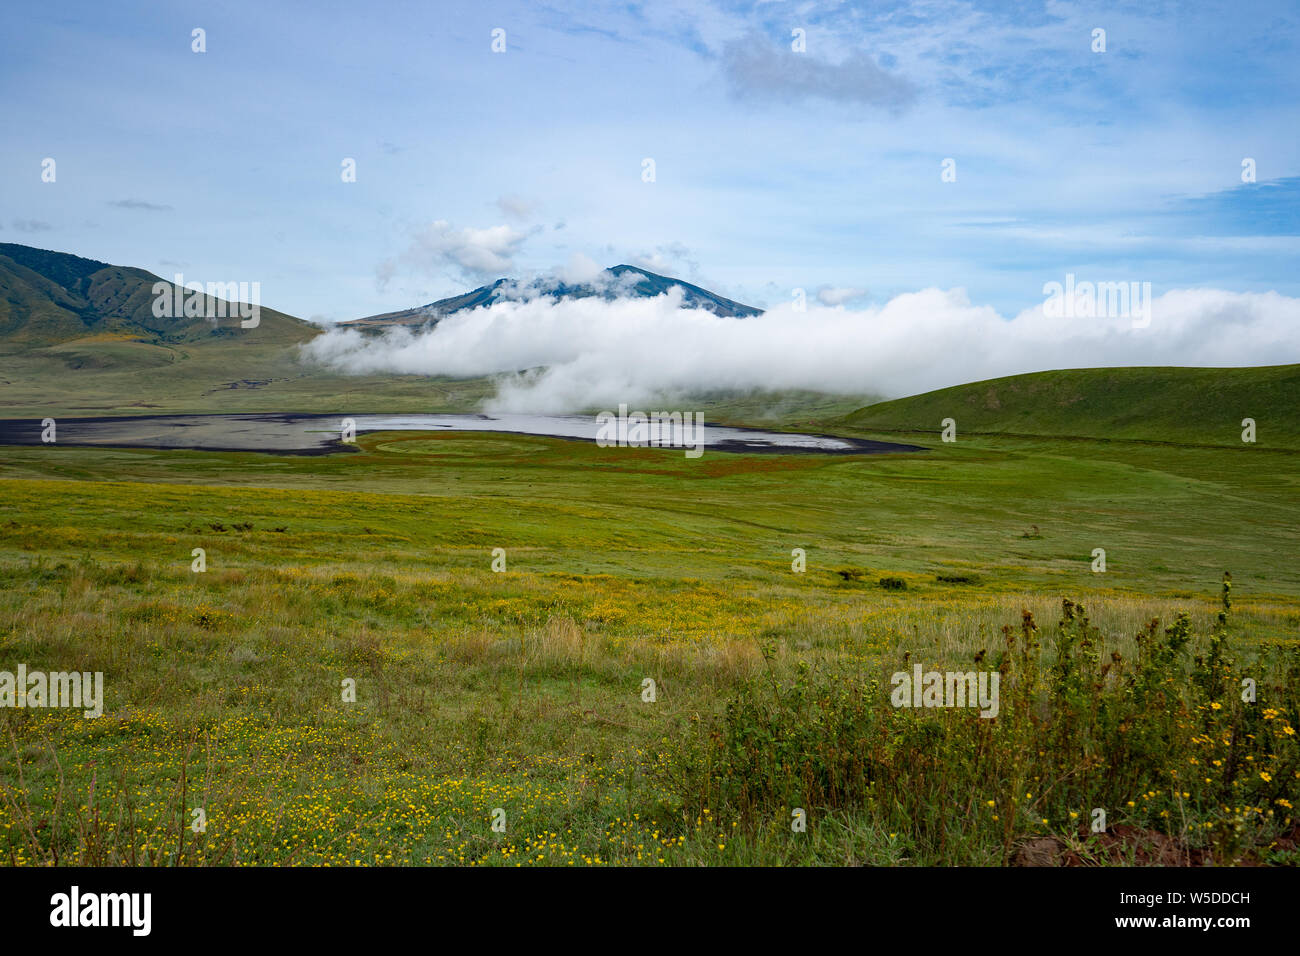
1179,738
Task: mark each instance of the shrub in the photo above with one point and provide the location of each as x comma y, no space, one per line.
1162,741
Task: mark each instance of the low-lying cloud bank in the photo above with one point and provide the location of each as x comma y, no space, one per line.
589,353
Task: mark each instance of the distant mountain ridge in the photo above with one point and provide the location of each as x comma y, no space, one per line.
617,281
48,298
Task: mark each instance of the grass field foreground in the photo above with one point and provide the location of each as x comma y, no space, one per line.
522,697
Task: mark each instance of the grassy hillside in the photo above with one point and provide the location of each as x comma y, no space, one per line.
95,376
1198,406
79,337
51,297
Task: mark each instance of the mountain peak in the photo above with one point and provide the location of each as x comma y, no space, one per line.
620,281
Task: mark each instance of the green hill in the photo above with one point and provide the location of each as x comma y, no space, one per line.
1200,406
47,298
79,337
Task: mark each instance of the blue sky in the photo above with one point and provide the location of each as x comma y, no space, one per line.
774,169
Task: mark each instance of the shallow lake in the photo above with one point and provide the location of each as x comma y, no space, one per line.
321,434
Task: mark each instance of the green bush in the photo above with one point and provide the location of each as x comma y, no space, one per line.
1163,741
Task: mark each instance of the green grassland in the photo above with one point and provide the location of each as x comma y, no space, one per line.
523,689
92,377
1196,406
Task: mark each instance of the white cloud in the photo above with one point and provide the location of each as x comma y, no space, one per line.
831,295
757,69
580,270
589,352
518,207
668,259
474,253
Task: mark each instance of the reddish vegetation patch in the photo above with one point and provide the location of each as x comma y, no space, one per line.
1145,847
1119,845
1289,841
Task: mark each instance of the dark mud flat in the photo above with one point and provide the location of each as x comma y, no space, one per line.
322,434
